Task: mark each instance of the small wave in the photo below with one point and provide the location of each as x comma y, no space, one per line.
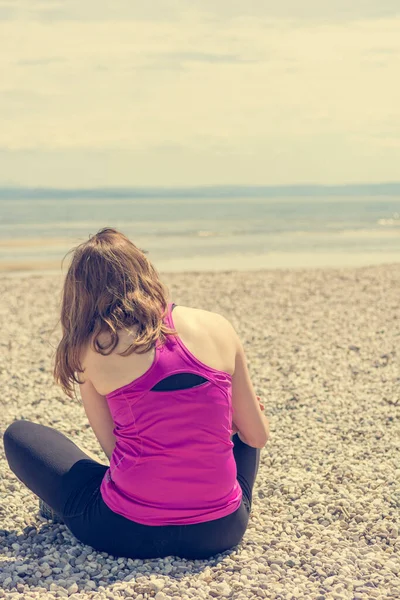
395,221
207,233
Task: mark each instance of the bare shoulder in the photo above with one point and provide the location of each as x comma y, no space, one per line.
208,335
198,318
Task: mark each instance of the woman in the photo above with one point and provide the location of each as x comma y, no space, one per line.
167,392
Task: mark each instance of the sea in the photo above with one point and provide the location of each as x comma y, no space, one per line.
207,234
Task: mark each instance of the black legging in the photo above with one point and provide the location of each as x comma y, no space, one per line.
68,480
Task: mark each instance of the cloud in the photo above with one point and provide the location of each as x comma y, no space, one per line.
315,158
35,62
206,57
247,94
387,50
161,10
90,10
183,61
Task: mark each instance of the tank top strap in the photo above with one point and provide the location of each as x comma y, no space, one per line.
180,358
168,317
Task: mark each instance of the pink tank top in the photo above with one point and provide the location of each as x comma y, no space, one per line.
173,462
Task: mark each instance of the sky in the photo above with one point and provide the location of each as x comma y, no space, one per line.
190,92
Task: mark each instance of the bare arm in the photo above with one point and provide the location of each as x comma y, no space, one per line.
248,416
99,417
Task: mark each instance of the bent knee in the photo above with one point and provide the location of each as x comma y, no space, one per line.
15,427
15,433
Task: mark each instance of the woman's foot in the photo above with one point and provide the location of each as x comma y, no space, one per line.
48,513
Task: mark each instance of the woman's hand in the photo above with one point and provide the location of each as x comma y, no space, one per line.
235,429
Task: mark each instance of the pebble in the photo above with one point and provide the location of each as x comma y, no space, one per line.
393,566
157,584
324,518
73,588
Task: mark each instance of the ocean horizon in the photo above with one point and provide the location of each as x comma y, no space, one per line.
390,188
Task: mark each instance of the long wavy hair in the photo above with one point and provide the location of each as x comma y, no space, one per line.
110,285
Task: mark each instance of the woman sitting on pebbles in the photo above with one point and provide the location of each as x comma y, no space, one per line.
167,392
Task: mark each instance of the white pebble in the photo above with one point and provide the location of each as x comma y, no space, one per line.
73,588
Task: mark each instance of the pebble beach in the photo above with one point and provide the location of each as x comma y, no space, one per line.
322,347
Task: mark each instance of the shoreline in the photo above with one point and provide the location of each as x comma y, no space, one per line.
232,263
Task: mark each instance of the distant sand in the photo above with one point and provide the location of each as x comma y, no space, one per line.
238,262
26,266
46,254
34,242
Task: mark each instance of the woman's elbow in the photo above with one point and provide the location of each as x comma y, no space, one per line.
255,441
262,438
261,442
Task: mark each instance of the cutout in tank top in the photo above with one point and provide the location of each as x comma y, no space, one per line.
180,381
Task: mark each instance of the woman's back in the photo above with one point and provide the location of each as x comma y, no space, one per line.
173,461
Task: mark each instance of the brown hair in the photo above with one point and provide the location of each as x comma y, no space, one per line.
110,284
